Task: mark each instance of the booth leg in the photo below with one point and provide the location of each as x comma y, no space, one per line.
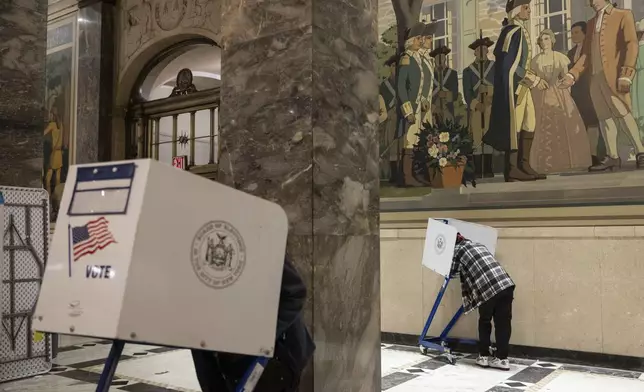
423,335
252,375
451,324
110,366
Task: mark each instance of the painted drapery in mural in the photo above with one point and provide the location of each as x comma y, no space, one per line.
538,98
57,130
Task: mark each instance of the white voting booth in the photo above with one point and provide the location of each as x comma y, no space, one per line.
438,255
144,252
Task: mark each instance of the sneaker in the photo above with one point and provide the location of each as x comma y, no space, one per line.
483,361
501,364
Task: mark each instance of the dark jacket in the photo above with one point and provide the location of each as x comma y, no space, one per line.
293,349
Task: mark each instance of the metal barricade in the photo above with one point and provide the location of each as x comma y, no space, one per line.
25,238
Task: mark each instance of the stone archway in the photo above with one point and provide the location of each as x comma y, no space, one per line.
130,75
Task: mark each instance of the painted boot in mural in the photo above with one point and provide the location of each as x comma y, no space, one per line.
606,164
525,145
409,178
478,166
488,166
512,171
639,160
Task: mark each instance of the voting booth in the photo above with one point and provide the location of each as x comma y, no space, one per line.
24,246
146,253
438,255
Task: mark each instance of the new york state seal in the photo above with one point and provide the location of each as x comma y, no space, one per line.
218,254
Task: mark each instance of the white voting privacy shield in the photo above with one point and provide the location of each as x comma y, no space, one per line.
484,235
439,247
144,252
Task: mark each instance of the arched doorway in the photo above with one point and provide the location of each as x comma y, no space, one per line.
173,113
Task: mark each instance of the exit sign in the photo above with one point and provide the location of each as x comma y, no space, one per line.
180,162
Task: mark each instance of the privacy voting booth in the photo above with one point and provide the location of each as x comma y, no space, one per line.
438,254
147,253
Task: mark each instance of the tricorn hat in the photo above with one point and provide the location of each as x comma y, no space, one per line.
440,50
430,29
512,4
481,42
416,30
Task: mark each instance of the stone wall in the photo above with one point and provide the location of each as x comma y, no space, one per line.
578,288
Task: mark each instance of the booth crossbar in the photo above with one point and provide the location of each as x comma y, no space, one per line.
440,343
247,383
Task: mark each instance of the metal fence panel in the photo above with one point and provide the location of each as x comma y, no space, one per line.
23,353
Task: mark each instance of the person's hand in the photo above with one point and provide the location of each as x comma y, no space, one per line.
445,94
623,86
566,82
479,107
488,100
411,119
425,106
543,85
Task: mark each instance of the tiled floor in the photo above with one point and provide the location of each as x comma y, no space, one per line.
153,369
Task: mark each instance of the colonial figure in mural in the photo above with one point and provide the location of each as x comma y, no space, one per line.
445,92
638,83
610,55
561,142
513,112
54,145
409,89
580,92
388,120
428,66
478,89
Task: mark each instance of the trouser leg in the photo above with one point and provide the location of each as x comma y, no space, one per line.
503,322
486,312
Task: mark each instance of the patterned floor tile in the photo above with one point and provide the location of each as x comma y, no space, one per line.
531,375
546,365
516,385
394,379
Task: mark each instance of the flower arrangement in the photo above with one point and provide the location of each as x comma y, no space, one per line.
445,143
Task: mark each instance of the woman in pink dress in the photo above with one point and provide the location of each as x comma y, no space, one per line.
560,141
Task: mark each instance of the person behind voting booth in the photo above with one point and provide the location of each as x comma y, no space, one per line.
222,372
487,286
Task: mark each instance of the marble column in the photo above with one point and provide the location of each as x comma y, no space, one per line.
299,107
23,40
95,81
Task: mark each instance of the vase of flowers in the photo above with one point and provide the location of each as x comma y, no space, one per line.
441,153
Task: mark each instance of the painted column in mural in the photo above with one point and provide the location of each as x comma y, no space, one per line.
59,104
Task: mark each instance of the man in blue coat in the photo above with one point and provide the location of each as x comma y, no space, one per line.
409,87
513,112
478,89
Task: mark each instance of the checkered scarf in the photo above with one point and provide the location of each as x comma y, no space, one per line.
482,277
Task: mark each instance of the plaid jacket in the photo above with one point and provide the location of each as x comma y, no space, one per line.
482,277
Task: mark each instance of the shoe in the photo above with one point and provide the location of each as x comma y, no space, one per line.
525,145
512,171
606,164
483,361
501,364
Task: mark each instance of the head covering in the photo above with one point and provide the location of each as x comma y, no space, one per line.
430,30
481,42
440,50
416,30
512,4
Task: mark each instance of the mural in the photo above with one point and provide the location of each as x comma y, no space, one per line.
58,125
525,78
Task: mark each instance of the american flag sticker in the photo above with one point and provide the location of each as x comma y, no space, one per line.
89,239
